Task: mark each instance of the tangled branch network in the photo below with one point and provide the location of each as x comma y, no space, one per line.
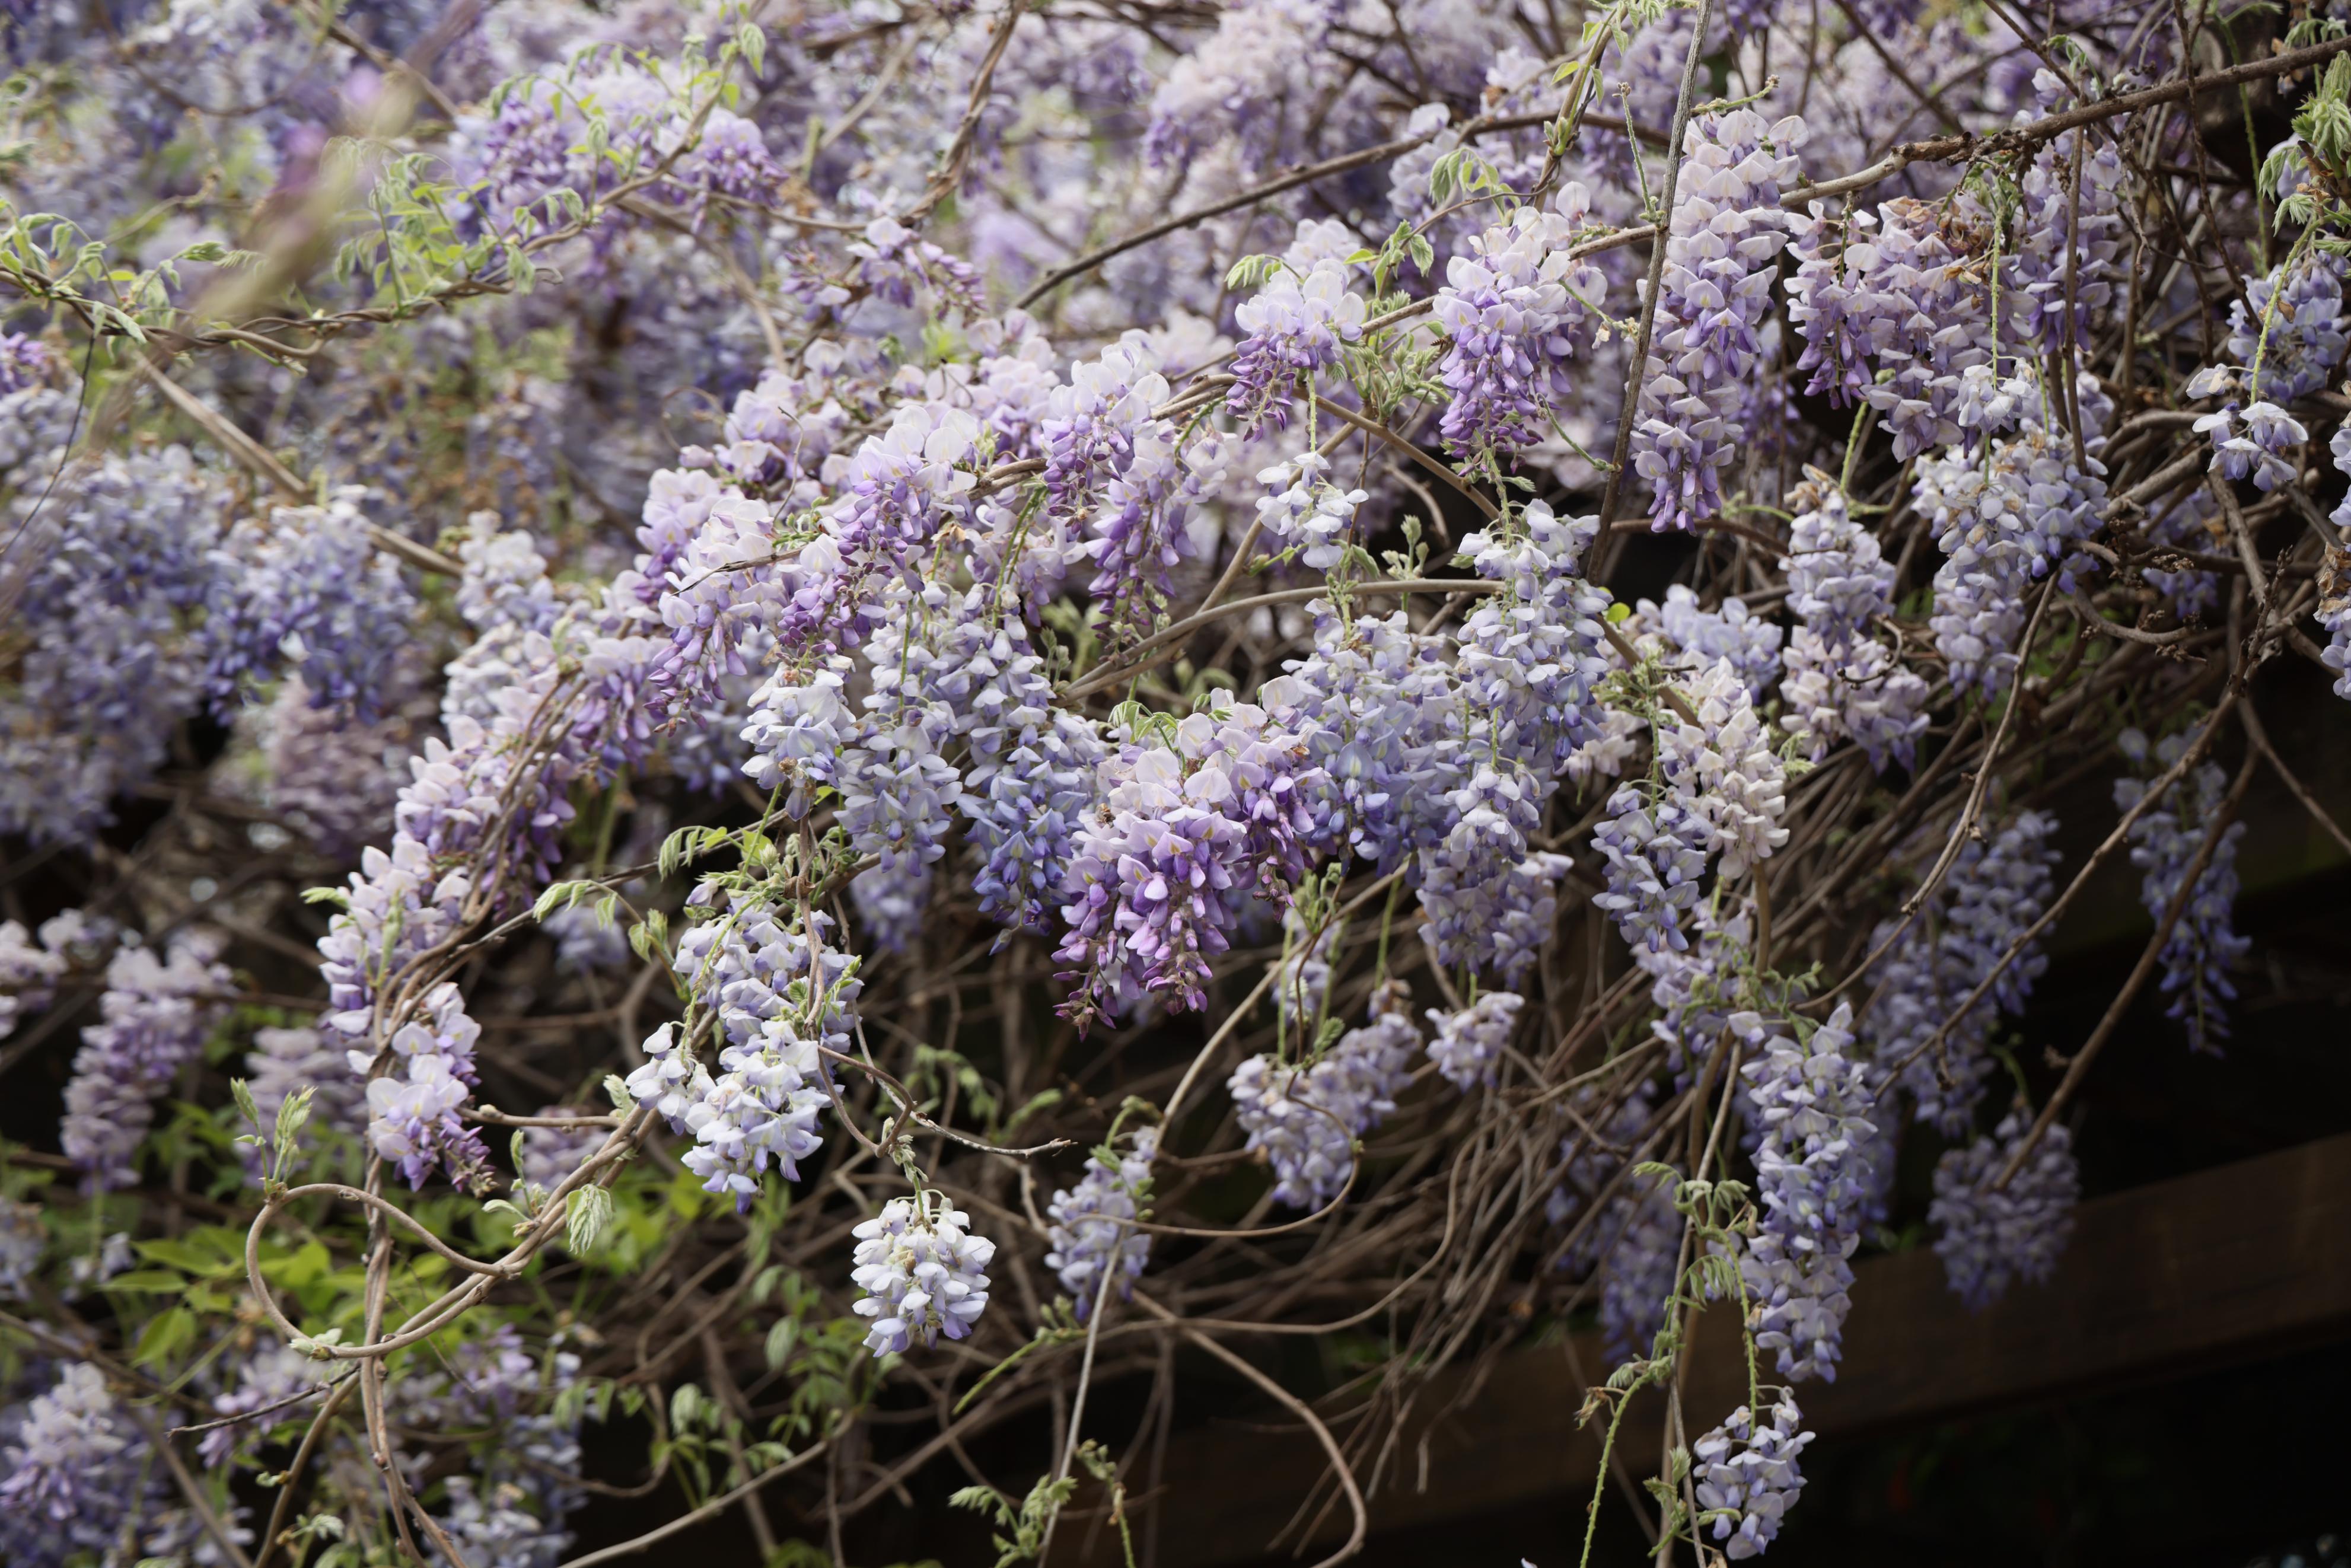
736,741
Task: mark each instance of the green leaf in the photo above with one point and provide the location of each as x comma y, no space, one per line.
169,1332
162,1282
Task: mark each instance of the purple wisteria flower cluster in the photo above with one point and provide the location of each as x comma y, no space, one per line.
1726,234
1305,1119
865,601
1515,310
1812,1102
155,1013
922,1272
1959,943
2287,336
1095,1243
1747,1477
1842,681
1991,1236
2165,842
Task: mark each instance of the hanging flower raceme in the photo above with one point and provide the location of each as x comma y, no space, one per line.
1305,1119
1897,306
284,1060
1305,510
922,1272
1530,661
2004,524
2203,945
76,1475
1842,682
1812,1102
776,998
1139,534
1296,326
1747,1477
897,491
1467,1046
1092,1232
1721,245
1990,1237
1688,637
306,591
414,1108
1994,893
1222,800
32,964
1378,705
2285,337
154,1015
1514,311
1723,770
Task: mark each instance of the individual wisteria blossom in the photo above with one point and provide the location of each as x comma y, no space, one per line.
1995,891
413,1108
1296,326
1991,1238
1842,682
922,1272
1514,311
1467,1045
154,1015
1746,1477
1722,243
1089,1231
1812,1102
2203,945
1305,1119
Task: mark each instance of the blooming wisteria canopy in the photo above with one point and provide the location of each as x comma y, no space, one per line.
727,729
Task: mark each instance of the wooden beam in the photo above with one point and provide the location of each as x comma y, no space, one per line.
2176,1277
